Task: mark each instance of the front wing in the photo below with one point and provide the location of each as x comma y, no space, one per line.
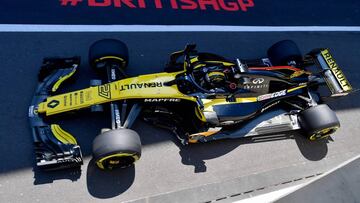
54,147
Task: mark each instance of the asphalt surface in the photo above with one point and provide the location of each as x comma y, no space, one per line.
344,184
167,171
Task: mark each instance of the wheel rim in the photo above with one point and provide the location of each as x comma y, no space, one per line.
324,133
120,160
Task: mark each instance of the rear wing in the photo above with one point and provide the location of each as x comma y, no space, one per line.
333,75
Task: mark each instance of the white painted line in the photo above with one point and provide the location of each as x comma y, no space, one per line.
271,196
276,195
170,28
325,174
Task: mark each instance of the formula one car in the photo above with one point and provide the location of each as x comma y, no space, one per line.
200,97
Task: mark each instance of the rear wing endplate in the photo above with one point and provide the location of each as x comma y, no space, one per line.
333,75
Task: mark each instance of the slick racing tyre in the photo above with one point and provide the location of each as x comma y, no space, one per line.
284,53
118,148
318,122
106,50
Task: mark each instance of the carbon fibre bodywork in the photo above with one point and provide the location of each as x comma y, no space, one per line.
202,98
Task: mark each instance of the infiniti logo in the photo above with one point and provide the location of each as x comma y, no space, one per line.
258,80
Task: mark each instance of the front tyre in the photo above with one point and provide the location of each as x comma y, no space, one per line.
108,50
118,148
318,122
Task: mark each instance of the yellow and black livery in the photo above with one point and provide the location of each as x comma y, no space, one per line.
200,97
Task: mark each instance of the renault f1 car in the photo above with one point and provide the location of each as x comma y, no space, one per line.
199,97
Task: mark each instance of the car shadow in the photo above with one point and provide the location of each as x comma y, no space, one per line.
196,155
46,177
107,184
312,150
104,184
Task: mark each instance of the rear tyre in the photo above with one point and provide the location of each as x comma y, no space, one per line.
106,50
118,148
318,122
284,53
